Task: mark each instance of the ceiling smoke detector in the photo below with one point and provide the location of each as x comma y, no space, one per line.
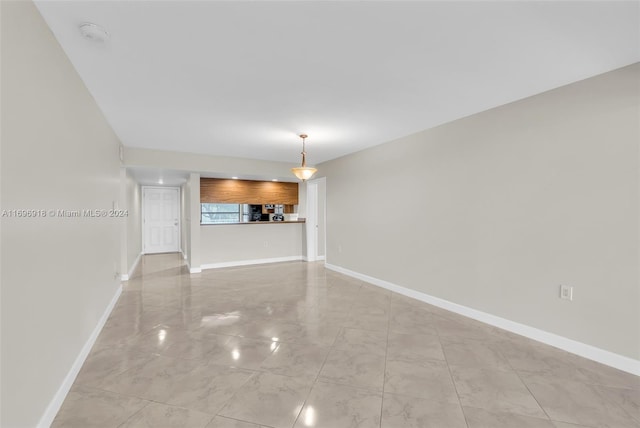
93,32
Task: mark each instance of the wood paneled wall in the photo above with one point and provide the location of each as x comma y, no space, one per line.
217,190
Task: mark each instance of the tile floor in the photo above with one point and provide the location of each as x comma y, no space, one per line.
296,345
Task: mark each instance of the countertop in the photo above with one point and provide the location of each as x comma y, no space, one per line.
256,222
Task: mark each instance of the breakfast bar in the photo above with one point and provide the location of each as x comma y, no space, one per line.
229,206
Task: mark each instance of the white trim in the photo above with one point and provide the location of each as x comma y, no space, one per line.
184,255
324,226
311,222
192,269
251,262
54,405
316,183
599,355
126,276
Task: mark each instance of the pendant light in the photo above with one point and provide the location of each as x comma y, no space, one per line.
304,172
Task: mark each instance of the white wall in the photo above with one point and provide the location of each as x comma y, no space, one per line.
321,220
246,168
251,241
302,200
186,221
204,165
184,232
207,165
322,192
133,222
124,244
58,274
192,221
194,228
495,210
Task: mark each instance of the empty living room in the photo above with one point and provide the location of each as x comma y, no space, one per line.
338,214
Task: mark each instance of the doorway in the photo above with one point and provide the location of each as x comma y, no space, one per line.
160,220
316,219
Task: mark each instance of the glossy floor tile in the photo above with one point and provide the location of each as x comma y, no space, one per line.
357,368
296,345
159,415
90,407
331,405
426,379
496,390
269,399
411,412
480,418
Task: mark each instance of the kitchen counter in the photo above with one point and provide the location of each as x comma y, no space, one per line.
255,222
236,244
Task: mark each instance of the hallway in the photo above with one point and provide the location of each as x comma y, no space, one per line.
295,344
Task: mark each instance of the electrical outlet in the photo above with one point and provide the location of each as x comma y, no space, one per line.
566,292
266,244
339,248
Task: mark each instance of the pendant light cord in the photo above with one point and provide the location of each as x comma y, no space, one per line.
304,153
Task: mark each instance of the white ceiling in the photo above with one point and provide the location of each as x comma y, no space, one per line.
243,78
158,176
151,176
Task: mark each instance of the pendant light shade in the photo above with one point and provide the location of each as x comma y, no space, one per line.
304,172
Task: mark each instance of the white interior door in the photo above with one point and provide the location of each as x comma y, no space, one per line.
161,219
312,221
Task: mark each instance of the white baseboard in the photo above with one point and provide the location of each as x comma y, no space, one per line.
125,277
184,255
192,269
55,404
251,262
590,352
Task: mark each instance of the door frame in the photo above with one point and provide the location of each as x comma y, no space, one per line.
143,214
315,215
